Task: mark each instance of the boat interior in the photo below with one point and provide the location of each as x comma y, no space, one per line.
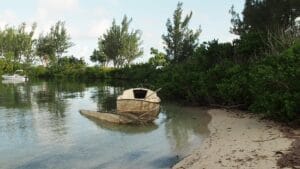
139,93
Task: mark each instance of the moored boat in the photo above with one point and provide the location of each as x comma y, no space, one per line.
16,77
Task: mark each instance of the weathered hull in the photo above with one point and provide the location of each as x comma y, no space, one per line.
138,107
108,117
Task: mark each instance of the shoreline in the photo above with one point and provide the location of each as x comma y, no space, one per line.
238,140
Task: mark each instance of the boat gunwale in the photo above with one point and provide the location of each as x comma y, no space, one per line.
142,100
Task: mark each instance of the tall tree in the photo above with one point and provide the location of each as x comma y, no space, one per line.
118,44
263,27
111,43
180,41
45,49
52,46
17,42
265,15
60,38
131,42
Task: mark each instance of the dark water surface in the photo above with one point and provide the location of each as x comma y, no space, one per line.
40,127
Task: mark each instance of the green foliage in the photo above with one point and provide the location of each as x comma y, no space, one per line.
70,67
141,72
250,47
131,42
180,41
159,58
51,46
275,84
37,72
211,53
98,56
98,73
16,44
233,88
8,65
265,15
118,45
45,49
265,27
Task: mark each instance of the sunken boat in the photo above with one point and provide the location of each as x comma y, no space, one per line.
139,102
136,105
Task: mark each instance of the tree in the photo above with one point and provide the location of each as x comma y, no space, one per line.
265,15
60,39
131,42
51,46
118,44
45,49
212,53
180,41
263,27
159,58
98,56
111,44
18,42
131,49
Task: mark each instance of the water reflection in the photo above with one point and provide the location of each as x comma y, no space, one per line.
15,96
183,124
49,98
105,97
37,109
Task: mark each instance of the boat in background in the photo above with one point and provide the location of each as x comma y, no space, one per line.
15,78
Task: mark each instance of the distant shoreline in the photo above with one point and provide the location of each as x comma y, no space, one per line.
238,140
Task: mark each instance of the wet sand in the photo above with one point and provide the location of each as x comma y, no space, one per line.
239,140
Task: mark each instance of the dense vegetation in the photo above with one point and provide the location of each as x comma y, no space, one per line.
259,71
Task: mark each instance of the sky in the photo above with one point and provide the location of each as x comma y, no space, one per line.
87,20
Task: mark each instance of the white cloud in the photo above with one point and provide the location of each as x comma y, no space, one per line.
58,5
7,17
115,2
83,51
98,28
100,12
48,12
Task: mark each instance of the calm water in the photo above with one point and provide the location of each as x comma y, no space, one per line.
40,127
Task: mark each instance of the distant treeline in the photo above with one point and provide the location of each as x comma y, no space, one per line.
259,71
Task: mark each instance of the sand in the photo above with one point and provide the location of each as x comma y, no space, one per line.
238,140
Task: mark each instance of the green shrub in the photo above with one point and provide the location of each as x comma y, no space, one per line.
275,85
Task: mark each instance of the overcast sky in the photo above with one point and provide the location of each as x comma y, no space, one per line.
86,20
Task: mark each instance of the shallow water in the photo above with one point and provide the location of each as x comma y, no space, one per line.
40,127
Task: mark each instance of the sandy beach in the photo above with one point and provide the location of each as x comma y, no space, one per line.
239,140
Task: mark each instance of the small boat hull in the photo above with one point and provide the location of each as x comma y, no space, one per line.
16,78
141,102
138,107
107,117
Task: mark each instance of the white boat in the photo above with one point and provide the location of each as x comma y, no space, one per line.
16,77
